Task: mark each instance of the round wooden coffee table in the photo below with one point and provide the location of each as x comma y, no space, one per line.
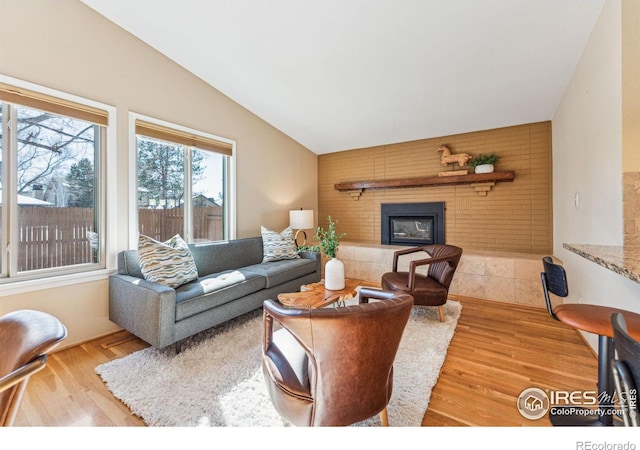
315,295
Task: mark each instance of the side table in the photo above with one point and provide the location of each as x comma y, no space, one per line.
315,295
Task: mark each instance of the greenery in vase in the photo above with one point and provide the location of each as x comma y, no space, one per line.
328,240
483,158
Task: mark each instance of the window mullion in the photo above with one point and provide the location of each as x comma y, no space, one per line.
188,196
10,213
4,168
100,192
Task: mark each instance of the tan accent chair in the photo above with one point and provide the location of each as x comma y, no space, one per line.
25,339
333,366
431,289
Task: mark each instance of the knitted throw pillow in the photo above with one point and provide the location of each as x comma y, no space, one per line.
277,246
169,263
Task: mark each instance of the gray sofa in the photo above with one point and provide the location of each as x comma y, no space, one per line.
232,281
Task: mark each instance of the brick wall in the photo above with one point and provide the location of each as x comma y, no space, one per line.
513,216
631,208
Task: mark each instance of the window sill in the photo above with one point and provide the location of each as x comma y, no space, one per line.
8,287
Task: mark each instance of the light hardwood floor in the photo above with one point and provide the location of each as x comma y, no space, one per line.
497,351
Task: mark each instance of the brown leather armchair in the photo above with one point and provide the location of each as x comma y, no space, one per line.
333,366
431,289
25,339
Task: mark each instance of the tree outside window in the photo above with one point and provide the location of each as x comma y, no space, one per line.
54,184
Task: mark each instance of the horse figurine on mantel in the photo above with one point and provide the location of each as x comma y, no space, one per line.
449,158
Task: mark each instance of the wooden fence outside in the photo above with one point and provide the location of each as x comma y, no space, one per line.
56,237
162,224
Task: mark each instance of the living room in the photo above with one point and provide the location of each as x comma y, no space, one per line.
590,149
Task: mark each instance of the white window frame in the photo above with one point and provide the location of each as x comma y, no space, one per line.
229,203
107,214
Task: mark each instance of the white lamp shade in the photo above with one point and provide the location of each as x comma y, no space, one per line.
301,219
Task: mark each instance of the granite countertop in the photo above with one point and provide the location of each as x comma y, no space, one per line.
624,261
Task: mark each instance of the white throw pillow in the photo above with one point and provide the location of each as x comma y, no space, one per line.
277,246
169,263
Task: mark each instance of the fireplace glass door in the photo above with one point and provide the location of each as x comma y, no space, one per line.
409,229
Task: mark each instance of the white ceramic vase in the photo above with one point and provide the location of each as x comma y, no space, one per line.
484,168
334,275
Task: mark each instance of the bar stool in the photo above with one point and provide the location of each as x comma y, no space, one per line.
591,319
626,371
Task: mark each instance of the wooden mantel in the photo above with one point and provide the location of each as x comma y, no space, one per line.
481,182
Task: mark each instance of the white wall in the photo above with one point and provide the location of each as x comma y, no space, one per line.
587,160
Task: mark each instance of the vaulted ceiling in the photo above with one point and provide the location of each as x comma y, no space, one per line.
342,74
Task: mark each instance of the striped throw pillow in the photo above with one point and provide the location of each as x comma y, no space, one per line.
169,263
277,246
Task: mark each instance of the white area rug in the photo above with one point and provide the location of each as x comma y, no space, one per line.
217,379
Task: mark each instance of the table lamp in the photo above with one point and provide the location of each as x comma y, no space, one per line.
301,219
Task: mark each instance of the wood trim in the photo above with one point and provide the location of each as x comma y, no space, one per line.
427,181
31,99
163,133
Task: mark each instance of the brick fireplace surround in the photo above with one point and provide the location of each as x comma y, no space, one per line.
504,234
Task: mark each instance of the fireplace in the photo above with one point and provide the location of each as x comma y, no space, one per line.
412,223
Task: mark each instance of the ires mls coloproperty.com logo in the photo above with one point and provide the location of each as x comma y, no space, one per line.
534,403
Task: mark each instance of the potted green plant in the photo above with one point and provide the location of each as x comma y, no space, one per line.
328,242
484,163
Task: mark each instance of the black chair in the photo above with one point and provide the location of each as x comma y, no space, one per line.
591,319
626,370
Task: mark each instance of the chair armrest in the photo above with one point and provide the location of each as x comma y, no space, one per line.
267,337
413,265
405,251
426,261
376,294
296,321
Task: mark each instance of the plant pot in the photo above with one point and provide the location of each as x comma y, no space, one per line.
334,275
484,168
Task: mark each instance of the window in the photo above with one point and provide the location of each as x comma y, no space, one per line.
183,184
50,178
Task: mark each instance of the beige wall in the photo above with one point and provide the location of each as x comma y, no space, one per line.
631,86
587,158
65,45
514,216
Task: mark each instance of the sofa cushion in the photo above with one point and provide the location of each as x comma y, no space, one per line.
169,263
216,257
278,272
278,246
214,290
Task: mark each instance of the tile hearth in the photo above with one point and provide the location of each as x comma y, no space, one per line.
500,276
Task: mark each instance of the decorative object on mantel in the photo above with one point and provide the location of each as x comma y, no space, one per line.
482,183
448,157
328,242
484,163
301,219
